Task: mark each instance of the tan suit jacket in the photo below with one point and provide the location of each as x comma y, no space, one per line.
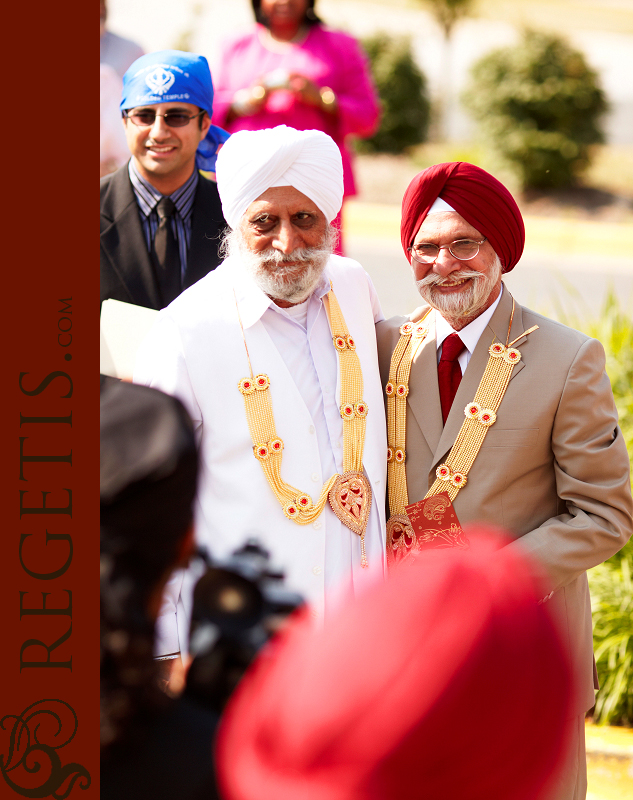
553,469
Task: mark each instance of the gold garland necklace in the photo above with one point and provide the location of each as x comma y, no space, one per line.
349,494
452,475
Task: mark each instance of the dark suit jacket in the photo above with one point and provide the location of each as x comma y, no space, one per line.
127,272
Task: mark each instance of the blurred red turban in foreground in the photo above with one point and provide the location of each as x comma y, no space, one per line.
477,196
447,682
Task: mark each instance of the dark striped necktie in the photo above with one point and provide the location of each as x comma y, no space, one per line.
166,253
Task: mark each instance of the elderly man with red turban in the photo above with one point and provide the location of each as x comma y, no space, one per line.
506,413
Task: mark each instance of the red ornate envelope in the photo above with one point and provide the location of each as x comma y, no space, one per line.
435,523
429,524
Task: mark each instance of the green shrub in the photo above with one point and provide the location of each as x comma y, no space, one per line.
403,96
539,104
614,328
611,586
611,583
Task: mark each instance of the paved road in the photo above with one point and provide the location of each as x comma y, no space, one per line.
544,283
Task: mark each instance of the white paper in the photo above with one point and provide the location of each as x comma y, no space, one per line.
124,326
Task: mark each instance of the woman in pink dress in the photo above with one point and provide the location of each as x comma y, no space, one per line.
292,70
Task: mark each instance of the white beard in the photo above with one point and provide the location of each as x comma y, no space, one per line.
468,303
271,272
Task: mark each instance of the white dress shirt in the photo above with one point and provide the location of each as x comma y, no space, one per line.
303,338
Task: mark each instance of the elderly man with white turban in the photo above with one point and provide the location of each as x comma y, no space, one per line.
274,356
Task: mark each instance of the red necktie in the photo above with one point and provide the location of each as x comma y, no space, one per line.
449,373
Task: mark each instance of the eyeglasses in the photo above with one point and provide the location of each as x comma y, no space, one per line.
175,119
463,249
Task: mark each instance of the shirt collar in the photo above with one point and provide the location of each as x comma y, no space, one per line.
470,333
148,196
252,302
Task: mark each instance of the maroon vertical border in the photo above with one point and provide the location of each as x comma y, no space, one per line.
50,271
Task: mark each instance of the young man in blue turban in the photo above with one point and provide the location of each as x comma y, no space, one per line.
161,219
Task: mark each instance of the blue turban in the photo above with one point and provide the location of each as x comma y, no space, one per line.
170,76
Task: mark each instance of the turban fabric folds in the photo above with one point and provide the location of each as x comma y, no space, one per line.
448,681
477,196
253,161
173,76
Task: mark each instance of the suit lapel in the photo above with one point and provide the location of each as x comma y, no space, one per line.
123,241
496,330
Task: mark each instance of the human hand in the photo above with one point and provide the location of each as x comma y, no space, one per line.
171,676
305,89
323,97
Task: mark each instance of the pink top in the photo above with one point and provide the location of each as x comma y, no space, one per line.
329,58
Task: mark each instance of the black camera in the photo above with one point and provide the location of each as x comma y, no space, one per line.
238,604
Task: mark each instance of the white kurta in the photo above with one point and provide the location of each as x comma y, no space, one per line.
196,351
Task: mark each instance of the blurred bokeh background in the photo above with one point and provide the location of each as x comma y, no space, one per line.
579,243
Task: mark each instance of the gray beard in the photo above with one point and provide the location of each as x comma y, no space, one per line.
467,304
271,272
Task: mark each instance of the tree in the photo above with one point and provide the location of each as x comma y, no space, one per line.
447,13
539,104
403,96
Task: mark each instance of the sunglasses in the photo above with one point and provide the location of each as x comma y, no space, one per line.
174,119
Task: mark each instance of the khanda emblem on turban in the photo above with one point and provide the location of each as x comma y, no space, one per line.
160,80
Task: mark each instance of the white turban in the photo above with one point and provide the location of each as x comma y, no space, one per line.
253,161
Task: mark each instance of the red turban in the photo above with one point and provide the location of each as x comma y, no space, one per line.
480,199
447,681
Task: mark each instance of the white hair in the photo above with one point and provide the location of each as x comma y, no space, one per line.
276,273
467,304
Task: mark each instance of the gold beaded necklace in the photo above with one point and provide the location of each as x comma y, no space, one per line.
452,475
349,494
